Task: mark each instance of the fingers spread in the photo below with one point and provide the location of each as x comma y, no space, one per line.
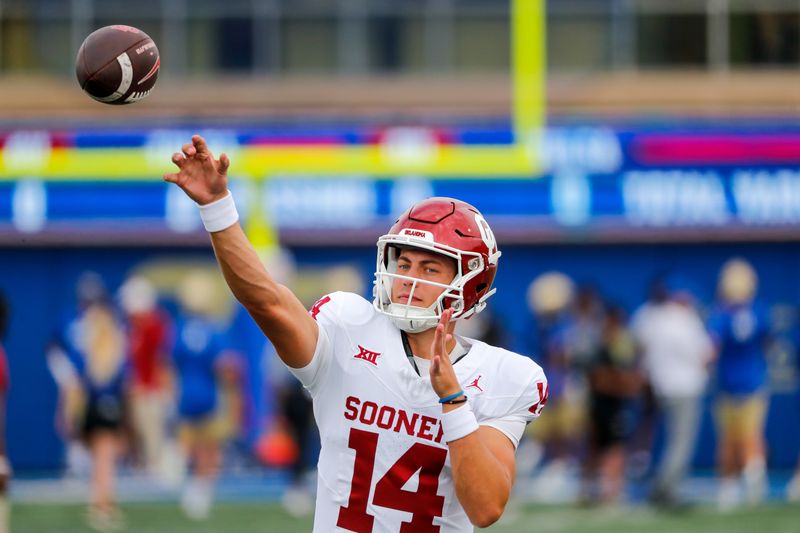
188,150
171,178
199,144
179,159
224,163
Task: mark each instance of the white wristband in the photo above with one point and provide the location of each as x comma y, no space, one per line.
220,214
459,423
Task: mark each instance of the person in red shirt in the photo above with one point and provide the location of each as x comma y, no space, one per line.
147,335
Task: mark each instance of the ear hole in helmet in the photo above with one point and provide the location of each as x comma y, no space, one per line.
391,253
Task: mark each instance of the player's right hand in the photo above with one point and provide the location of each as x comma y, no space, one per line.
203,178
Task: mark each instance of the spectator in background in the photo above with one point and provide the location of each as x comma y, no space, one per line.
739,329
561,426
147,338
615,383
5,466
586,326
94,343
196,357
676,352
69,407
583,339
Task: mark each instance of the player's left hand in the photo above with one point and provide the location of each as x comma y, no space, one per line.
443,377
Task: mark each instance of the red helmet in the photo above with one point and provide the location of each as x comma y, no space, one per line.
451,228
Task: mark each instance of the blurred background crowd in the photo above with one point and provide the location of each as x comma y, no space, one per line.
638,160
168,380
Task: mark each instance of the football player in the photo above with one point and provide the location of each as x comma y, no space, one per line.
740,329
418,427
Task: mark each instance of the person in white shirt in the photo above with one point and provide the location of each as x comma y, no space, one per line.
418,426
676,352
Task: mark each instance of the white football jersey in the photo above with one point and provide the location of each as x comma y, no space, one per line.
383,466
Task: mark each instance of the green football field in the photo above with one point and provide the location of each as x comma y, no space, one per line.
252,517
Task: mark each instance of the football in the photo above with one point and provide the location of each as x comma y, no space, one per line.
117,65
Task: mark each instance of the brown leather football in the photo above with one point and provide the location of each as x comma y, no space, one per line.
117,65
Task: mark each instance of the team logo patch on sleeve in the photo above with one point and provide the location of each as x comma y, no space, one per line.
367,355
543,391
317,306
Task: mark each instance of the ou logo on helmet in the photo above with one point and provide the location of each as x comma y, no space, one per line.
488,238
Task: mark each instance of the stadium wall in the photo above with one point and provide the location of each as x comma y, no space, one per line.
40,285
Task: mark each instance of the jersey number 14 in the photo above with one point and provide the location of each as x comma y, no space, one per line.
424,504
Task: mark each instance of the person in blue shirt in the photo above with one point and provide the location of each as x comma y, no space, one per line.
94,344
196,358
563,334
560,428
740,330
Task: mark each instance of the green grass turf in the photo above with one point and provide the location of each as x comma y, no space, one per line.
261,517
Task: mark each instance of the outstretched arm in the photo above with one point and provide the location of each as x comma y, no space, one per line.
483,458
276,310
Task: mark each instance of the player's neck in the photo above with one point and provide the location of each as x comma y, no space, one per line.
421,342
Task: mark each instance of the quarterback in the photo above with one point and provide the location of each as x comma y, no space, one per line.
419,426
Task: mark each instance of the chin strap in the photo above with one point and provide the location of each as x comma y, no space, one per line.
479,306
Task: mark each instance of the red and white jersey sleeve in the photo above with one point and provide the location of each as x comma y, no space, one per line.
313,373
514,391
336,315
